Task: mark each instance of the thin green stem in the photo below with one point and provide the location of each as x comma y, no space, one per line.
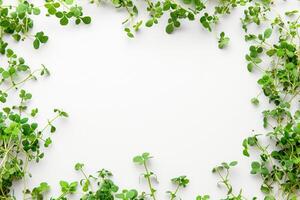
148,178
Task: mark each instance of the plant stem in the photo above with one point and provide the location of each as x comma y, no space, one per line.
174,194
148,177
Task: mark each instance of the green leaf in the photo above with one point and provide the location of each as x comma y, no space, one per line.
291,13
86,20
64,185
267,33
250,67
48,141
269,197
79,166
255,101
233,163
36,11
64,21
131,194
5,74
52,129
36,44
255,167
129,34
69,2
22,8
149,23
223,41
170,28
17,37
138,159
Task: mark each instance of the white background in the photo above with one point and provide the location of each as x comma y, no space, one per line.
177,96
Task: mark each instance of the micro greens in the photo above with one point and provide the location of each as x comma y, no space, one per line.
100,186
275,53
